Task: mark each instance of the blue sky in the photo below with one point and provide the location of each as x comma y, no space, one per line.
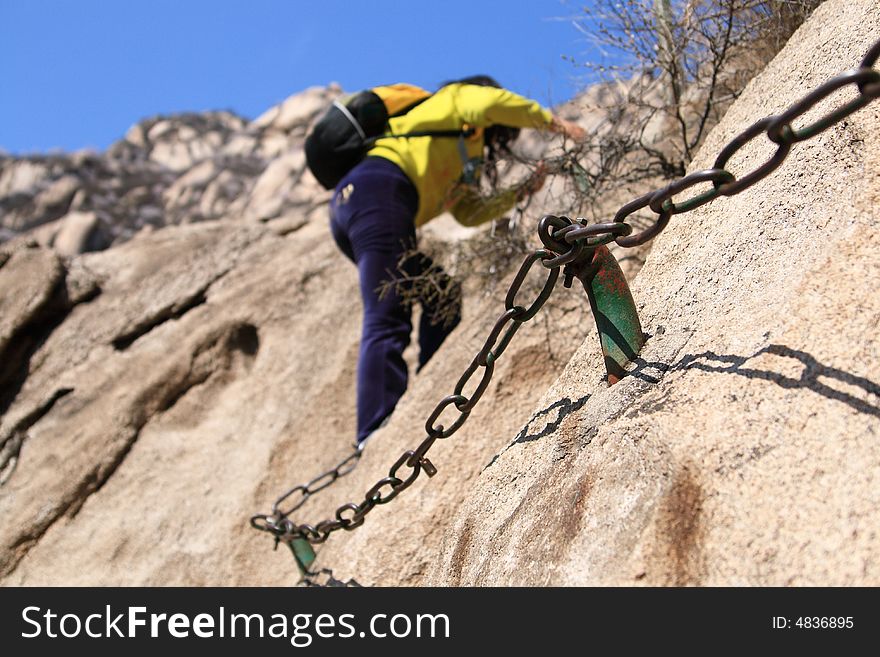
78,73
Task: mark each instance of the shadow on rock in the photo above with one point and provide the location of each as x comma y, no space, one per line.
809,378
564,407
324,578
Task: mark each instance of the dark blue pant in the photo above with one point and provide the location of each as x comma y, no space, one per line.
372,220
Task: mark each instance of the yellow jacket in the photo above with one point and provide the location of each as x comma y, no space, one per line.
434,164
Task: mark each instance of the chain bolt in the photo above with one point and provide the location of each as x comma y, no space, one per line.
428,467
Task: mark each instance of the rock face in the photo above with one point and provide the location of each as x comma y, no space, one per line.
743,449
158,393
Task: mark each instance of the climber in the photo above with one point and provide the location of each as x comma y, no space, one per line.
403,183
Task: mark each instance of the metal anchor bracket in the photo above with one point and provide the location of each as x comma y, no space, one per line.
620,331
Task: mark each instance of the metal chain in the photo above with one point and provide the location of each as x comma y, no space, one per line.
316,485
778,129
351,515
566,242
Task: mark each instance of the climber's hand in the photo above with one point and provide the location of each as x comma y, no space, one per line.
569,128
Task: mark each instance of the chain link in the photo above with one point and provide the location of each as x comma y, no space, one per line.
779,129
319,483
565,242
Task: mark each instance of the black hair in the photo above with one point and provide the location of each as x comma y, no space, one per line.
497,138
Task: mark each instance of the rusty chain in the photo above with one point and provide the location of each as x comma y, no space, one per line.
351,515
565,242
778,129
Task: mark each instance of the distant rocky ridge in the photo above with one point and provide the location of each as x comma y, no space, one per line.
167,170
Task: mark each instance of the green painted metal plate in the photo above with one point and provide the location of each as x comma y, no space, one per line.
614,310
304,554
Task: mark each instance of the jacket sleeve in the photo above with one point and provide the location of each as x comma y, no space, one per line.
472,209
484,106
